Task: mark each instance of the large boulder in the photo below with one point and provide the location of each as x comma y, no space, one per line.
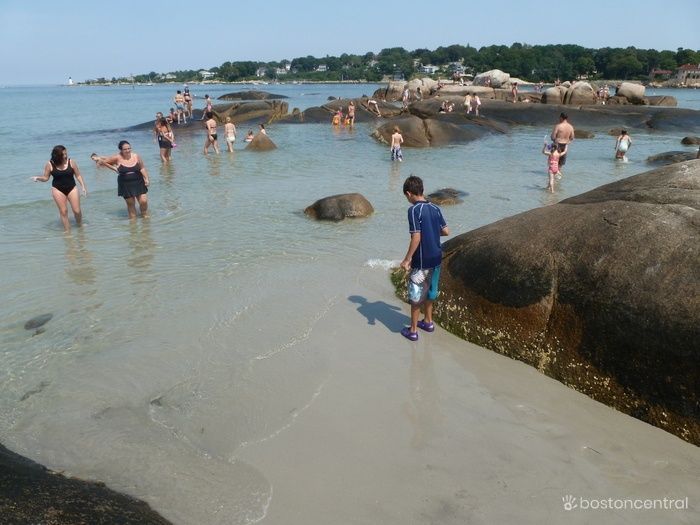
610,308
425,84
441,130
251,111
392,92
554,95
662,100
494,78
261,142
631,91
339,207
690,141
580,93
447,196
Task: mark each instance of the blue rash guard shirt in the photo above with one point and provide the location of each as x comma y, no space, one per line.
426,218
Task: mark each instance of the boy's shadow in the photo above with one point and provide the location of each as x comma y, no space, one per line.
387,314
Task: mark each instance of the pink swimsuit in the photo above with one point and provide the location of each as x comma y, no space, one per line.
554,164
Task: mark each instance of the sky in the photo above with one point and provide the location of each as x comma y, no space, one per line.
45,42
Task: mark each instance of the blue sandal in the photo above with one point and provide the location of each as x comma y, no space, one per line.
411,336
426,327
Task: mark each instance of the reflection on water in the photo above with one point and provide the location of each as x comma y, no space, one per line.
142,250
395,180
79,265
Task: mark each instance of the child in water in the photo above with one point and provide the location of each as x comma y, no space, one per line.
396,141
551,151
249,136
622,144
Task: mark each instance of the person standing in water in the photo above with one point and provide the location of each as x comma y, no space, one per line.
396,141
622,145
554,155
562,136
132,182
230,134
64,191
212,137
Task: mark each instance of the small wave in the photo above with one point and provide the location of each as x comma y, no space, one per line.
383,264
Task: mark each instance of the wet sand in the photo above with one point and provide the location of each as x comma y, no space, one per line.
442,431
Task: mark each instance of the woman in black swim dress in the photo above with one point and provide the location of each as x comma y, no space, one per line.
132,182
63,189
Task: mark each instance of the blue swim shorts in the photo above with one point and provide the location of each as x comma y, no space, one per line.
423,284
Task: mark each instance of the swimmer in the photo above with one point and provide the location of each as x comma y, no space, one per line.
63,188
262,129
230,133
351,113
249,137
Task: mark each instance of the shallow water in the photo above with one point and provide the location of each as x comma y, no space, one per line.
187,335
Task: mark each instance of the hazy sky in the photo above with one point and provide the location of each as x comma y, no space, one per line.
46,41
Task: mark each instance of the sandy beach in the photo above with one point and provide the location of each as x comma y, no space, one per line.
442,431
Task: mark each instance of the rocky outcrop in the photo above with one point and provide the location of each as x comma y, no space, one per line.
440,130
671,157
633,92
661,100
610,308
29,493
689,141
251,112
339,207
252,94
261,142
494,78
583,134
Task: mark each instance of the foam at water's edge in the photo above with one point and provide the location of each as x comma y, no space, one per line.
383,264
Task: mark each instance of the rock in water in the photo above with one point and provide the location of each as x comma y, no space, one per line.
339,207
447,196
600,291
36,322
261,142
671,157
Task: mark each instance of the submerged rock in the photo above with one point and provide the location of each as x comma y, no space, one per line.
611,308
447,196
250,95
36,322
339,207
689,141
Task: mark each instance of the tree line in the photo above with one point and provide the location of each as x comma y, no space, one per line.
528,62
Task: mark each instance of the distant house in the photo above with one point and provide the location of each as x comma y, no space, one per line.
261,71
429,69
688,74
660,74
169,76
206,75
281,71
322,68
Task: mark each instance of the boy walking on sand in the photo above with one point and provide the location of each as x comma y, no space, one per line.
426,225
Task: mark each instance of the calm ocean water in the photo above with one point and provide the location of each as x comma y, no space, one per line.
160,326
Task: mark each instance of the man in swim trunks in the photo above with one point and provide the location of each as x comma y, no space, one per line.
562,136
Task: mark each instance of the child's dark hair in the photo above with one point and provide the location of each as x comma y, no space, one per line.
413,185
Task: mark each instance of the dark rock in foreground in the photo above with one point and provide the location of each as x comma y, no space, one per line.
250,95
689,141
30,494
339,207
671,157
600,291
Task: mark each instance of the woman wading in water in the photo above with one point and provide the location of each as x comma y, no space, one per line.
132,182
63,188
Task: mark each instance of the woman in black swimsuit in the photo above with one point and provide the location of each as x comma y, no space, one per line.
132,181
64,191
